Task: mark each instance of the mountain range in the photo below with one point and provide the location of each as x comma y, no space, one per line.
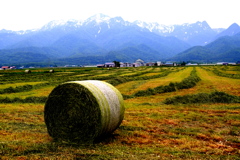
101,38
225,48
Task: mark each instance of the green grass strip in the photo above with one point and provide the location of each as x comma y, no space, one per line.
31,99
219,73
214,97
186,83
119,80
23,88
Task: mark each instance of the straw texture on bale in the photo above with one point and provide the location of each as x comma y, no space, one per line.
83,111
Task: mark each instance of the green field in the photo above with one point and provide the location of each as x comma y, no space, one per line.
171,113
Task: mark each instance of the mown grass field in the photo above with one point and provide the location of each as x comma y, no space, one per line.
171,113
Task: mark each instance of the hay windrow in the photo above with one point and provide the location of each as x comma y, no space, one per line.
83,110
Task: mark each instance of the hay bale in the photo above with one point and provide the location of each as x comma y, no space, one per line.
27,71
83,111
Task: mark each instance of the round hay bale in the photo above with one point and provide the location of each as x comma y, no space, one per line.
27,71
83,111
51,71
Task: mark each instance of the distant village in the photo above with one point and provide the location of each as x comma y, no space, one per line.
138,63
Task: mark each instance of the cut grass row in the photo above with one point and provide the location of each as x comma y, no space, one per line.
214,97
143,76
23,88
132,87
32,97
3,86
135,88
212,82
225,71
219,73
150,130
32,92
209,83
63,75
188,82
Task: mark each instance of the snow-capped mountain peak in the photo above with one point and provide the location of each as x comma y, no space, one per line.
53,24
100,23
61,23
154,27
98,18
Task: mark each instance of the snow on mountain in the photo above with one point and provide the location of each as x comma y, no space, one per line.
170,30
197,33
62,23
155,27
183,31
104,20
98,18
53,24
21,32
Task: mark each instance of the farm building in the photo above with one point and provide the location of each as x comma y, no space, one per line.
191,64
122,64
100,65
170,64
226,63
159,63
109,64
140,62
136,64
5,67
150,64
232,63
128,64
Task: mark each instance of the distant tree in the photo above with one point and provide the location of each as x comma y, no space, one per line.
183,63
117,64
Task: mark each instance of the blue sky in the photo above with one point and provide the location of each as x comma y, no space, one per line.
31,14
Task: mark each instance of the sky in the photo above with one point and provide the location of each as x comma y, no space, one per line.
32,14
